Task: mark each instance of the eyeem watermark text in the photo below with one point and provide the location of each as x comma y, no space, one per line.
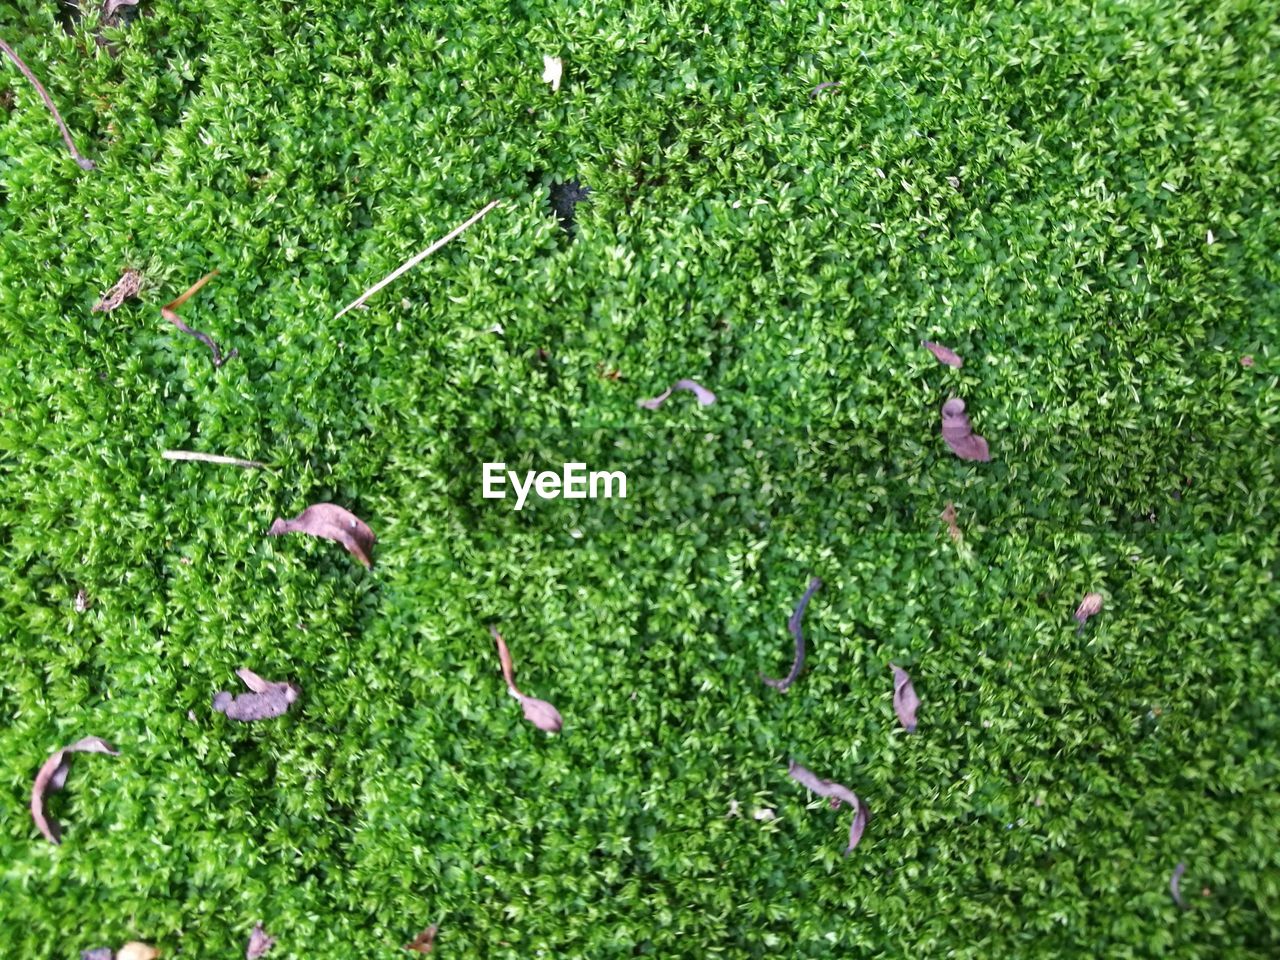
572,483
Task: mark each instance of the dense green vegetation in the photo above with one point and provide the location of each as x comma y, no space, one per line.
1033,185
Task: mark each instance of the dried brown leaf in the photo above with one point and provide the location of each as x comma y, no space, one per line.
944,354
705,396
1090,606
949,517
839,792
265,700
538,712
959,435
128,286
905,701
259,943
332,522
425,941
828,84
794,625
53,776
169,312
112,6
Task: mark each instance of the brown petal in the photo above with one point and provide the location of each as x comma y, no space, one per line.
332,522
905,701
129,285
944,354
425,941
959,435
259,943
794,625
52,777
829,788
268,699
705,396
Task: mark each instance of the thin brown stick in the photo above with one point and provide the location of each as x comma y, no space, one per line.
414,261
84,162
210,458
168,311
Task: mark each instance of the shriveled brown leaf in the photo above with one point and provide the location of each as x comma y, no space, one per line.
128,286
905,701
425,941
959,435
53,776
797,634
944,354
838,792
82,601
705,396
1090,606
265,700
538,712
259,943
332,522
949,517
170,312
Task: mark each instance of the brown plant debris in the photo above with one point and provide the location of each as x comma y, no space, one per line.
169,312
705,396
944,354
332,522
905,701
538,712
425,941
127,287
838,792
959,435
266,698
84,162
794,625
53,777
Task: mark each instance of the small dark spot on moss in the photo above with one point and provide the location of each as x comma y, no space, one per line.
565,198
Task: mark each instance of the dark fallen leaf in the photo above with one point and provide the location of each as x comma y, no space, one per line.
959,435
837,791
82,161
265,700
169,312
53,776
332,522
425,941
1175,886
905,701
1089,606
564,199
705,396
944,355
823,86
538,712
98,953
259,943
794,625
129,285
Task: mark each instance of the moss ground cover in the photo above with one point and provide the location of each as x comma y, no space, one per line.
1080,199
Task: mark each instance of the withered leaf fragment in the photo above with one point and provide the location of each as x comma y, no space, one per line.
959,435
425,941
838,792
1175,886
905,701
129,285
169,312
53,777
98,953
259,943
1089,606
948,516
823,86
705,396
538,712
265,700
794,625
332,522
82,161
113,6
944,354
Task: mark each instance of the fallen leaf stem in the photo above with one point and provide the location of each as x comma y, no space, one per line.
84,162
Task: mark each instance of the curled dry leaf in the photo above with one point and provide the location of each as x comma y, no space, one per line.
332,522
1090,606
705,396
829,84
259,943
944,354
82,161
838,792
425,941
1175,886
265,700
82,601
949,517
538,712
169,312
794,625
128,286
136,950
959,435
552,69
53,777
905,701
